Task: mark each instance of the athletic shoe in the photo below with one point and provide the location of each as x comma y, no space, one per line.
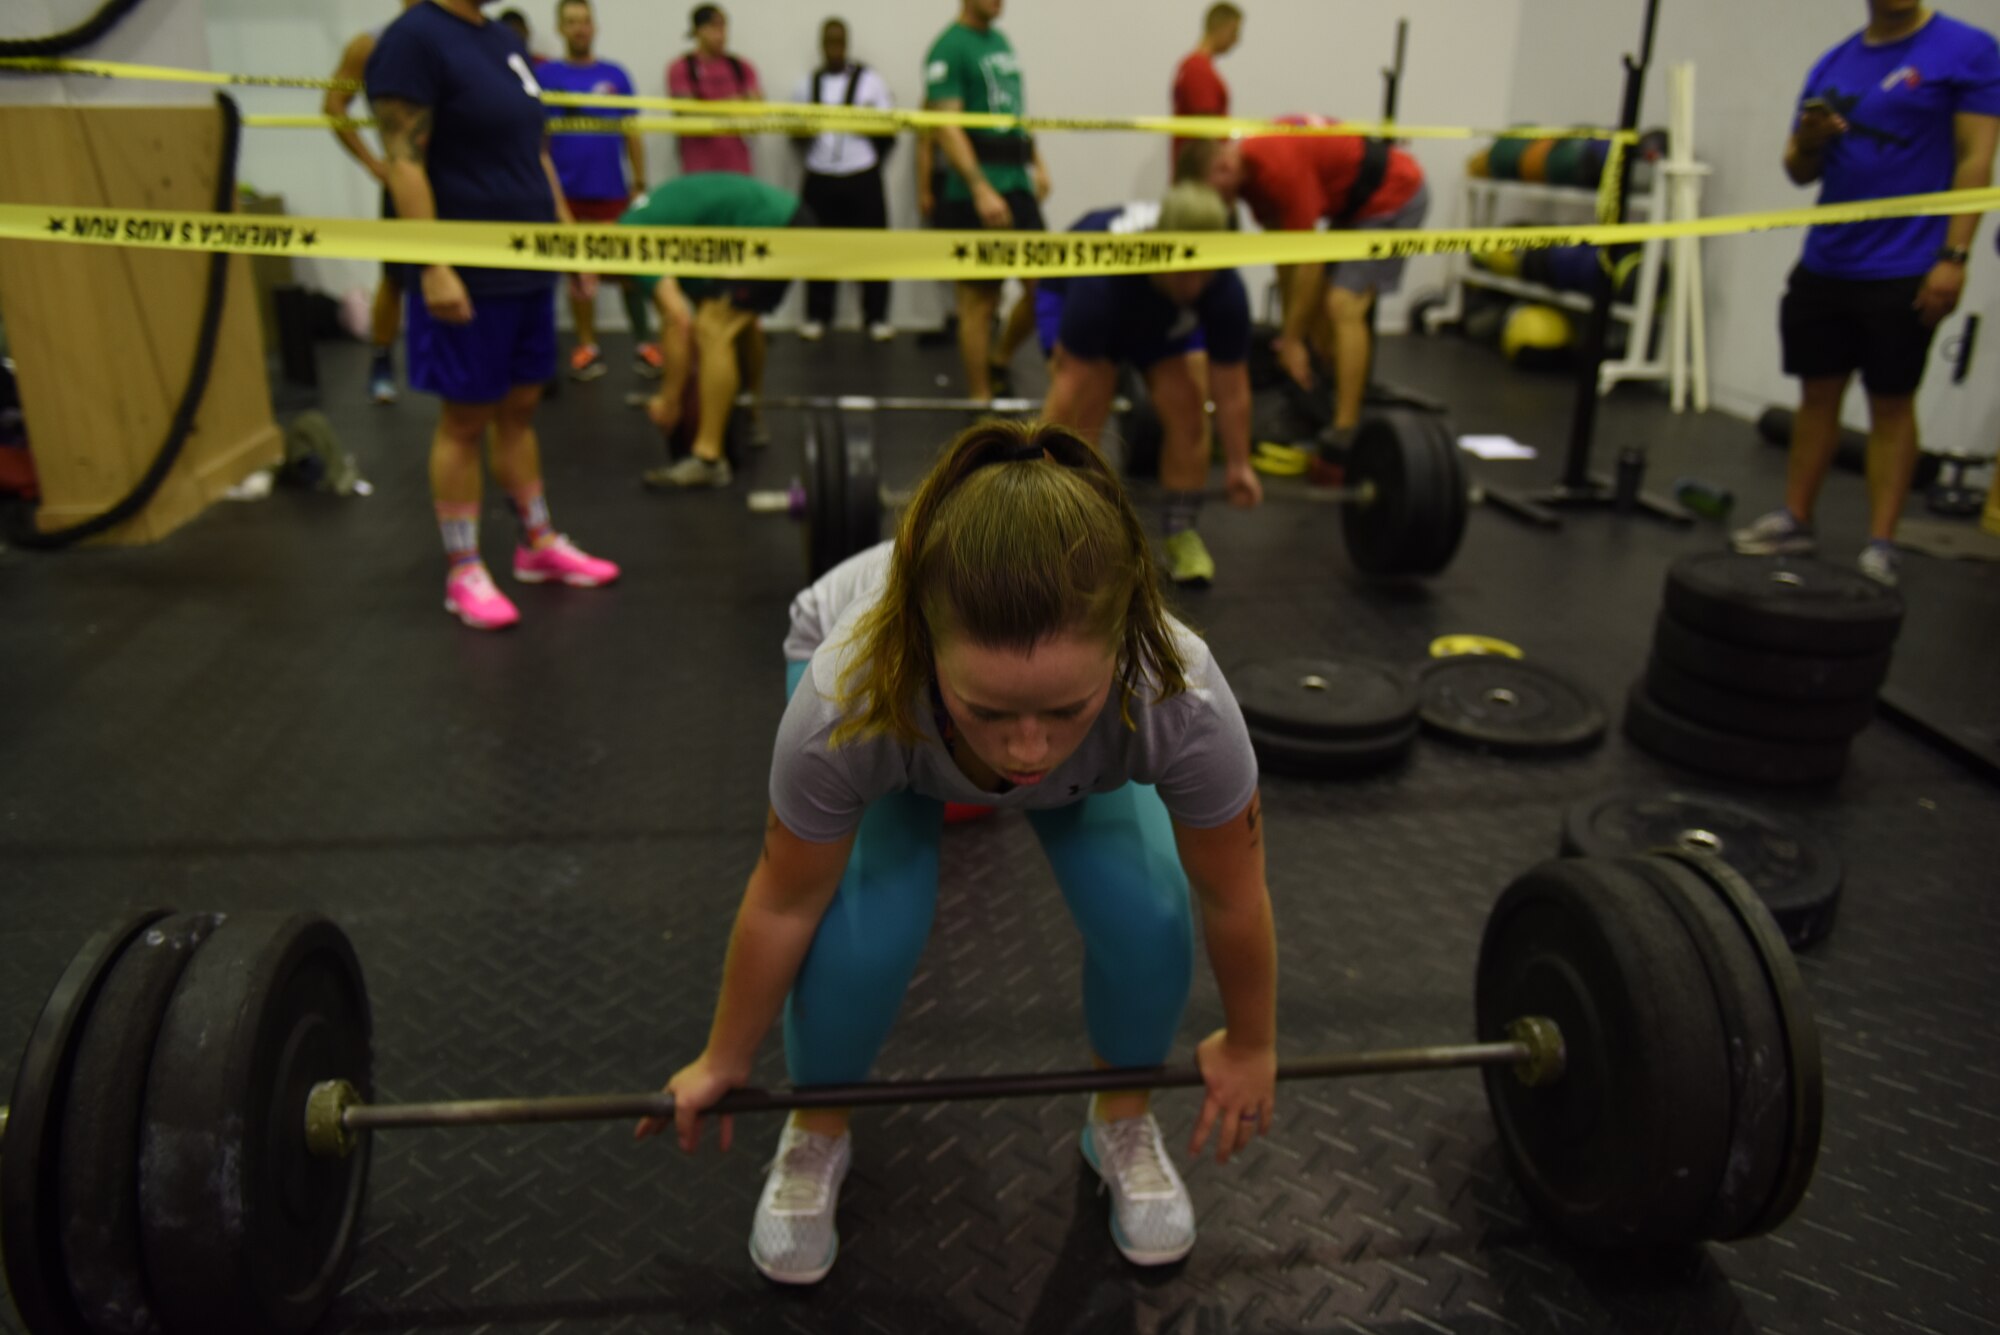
693,471
382,380
1880,563
812,331
563,562
1775,534
1188,562
586,363
1152,1219
1001,378
471,596
646,360
881,331
793,1239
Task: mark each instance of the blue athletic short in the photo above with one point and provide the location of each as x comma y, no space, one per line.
1050,300
511,341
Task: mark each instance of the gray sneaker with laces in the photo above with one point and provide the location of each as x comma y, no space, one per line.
1152,1218
1774,534
792,1239
1880,563
693,471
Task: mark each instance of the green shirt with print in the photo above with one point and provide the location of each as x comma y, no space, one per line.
978,69
709,199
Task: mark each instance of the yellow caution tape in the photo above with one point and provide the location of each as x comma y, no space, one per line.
792,117
824,253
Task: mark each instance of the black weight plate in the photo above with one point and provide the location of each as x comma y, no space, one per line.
825,519
270,1006
1457,509
1762,672
99,1181
1315,758
1789,603
1794,871
1760,1071
1510,706
1379,530
1438,518
1756,715
861,485
1337,698
31,1151
1802,1052
1728,755
1627,1144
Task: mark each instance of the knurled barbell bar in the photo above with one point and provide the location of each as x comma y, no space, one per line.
1004,406
1404,505
189,1138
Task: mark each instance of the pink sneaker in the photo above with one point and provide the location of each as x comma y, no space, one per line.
562,561
470,595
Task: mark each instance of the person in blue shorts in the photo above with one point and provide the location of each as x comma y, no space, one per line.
462,129
1167,326
1907,106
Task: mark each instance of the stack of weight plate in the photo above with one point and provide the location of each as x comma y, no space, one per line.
1764,667
1329,717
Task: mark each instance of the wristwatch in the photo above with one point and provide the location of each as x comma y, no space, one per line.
1953,255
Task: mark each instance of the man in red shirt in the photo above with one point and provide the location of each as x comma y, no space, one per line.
711,74
1198,89
1292,183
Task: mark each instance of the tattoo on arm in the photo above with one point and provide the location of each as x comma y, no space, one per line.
770,826
406,130
1255,818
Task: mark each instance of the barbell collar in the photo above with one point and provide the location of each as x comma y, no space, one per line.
336,1116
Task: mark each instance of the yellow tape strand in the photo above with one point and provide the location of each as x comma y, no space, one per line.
789,117
785,253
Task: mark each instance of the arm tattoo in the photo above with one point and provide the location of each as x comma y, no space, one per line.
770,825
406,130
1253,818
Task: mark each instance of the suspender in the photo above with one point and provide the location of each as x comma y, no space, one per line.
693,67
1367,180
853,83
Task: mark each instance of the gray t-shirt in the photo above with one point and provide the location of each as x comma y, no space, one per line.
1194,747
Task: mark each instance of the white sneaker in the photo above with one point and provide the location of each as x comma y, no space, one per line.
1152,1218
1880,563
812,331
792,1239
881,331
1774,534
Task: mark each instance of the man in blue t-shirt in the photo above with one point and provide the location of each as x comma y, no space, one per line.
1907,106
592,169
460,116
1161,324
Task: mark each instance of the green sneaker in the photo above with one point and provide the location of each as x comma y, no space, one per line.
691,471
1188,562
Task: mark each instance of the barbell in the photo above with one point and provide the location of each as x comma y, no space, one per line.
890,403
188,1142
1404,504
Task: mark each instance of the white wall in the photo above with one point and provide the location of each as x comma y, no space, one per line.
164,32
1750,63
1104,57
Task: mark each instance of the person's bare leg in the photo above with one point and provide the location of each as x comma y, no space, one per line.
1892,461
515,452
1115,1105
385,316
1352,351
976,304
717,328
823,1121
750,348
583,314
1815,441
454,465
1020,324
1177,398
1080,395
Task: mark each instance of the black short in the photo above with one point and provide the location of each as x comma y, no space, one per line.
1836,326
759,296
958,215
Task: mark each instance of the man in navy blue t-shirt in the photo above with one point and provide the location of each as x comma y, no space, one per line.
1907,106
1161,324
592,169
462,130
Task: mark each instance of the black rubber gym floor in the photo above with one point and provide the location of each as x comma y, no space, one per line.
537,840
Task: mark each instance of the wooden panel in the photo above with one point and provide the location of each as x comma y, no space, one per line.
103,339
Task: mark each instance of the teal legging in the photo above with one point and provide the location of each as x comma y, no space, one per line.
1114,856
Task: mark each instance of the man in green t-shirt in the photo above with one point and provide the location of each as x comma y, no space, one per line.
716,318
997,179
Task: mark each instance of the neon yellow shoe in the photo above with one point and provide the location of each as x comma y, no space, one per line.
1188,562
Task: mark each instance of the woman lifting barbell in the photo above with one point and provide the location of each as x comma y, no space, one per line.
973,660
